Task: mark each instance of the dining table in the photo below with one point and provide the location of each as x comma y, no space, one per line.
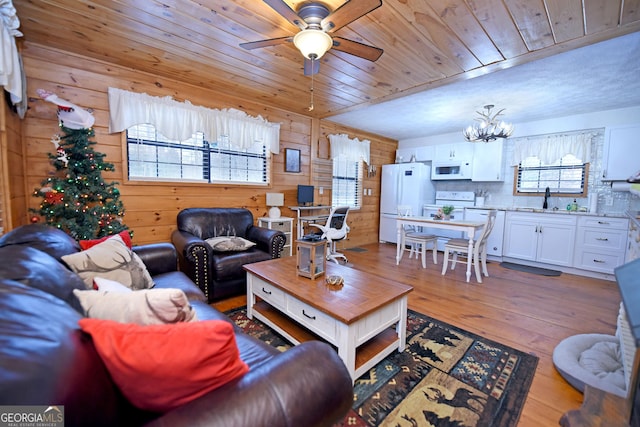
468,227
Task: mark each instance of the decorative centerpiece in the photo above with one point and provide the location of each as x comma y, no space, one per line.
335,282
311,258
444,212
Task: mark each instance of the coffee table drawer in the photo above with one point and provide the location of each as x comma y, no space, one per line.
269,293
311,318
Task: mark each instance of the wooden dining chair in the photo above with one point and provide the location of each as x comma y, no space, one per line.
415,241
460,247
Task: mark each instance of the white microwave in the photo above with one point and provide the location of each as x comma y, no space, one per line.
453,169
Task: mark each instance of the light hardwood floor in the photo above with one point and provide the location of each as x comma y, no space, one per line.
528,312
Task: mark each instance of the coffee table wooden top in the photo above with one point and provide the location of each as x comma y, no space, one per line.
361,294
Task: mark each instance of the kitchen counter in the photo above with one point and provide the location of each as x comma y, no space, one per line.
634,216
584,243
551,211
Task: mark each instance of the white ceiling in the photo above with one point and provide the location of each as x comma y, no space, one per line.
599,77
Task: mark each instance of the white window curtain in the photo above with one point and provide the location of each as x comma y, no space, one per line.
551,148
352,149
11,74
179,120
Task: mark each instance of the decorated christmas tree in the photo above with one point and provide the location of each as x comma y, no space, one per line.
76,199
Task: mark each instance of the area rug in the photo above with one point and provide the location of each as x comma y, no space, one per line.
445,377
529,269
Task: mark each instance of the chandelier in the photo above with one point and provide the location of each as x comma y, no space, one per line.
488,127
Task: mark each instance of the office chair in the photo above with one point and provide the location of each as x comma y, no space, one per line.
479,253
335,229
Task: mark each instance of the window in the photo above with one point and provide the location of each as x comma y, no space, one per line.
151,156
347,183
567,176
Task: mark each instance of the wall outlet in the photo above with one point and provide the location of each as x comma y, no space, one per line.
608,201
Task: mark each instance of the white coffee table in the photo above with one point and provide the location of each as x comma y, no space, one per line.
365,320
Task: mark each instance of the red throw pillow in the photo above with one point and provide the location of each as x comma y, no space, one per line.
161,367
126,238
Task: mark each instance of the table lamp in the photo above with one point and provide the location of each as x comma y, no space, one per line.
274,200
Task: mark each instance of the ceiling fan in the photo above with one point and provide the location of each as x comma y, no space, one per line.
316,22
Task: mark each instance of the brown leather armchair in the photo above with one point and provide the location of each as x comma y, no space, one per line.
220,274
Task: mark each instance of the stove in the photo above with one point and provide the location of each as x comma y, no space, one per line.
455,198
459,200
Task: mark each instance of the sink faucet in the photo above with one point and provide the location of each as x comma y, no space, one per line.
547,194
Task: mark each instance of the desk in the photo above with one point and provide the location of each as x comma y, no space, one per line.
470,227
315,215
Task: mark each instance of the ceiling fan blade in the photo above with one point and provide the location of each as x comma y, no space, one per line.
287,13
311,67
356,48
266,43
347,13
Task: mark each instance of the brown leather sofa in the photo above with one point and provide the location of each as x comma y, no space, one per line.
45,359
220,274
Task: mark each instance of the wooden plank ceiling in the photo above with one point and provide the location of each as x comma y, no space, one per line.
426,43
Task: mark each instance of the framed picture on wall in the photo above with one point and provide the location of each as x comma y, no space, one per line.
291,160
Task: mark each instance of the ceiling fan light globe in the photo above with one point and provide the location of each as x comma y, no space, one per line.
312,43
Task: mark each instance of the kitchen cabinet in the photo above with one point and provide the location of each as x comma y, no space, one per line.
426,153
487,164
421,154
540,237
621,152
494,241
403,155
600,243
449,152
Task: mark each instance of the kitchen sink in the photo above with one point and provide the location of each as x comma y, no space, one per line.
531,210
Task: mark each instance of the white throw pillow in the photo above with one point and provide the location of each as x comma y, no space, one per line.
143,307
113,260
102,284
229,244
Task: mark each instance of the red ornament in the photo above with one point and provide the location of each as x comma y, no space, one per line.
54,197
35,219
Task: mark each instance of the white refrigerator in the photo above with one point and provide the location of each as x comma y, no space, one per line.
403,184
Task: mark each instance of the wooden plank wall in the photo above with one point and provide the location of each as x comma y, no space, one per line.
14,210
364,222
5,215
151,208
